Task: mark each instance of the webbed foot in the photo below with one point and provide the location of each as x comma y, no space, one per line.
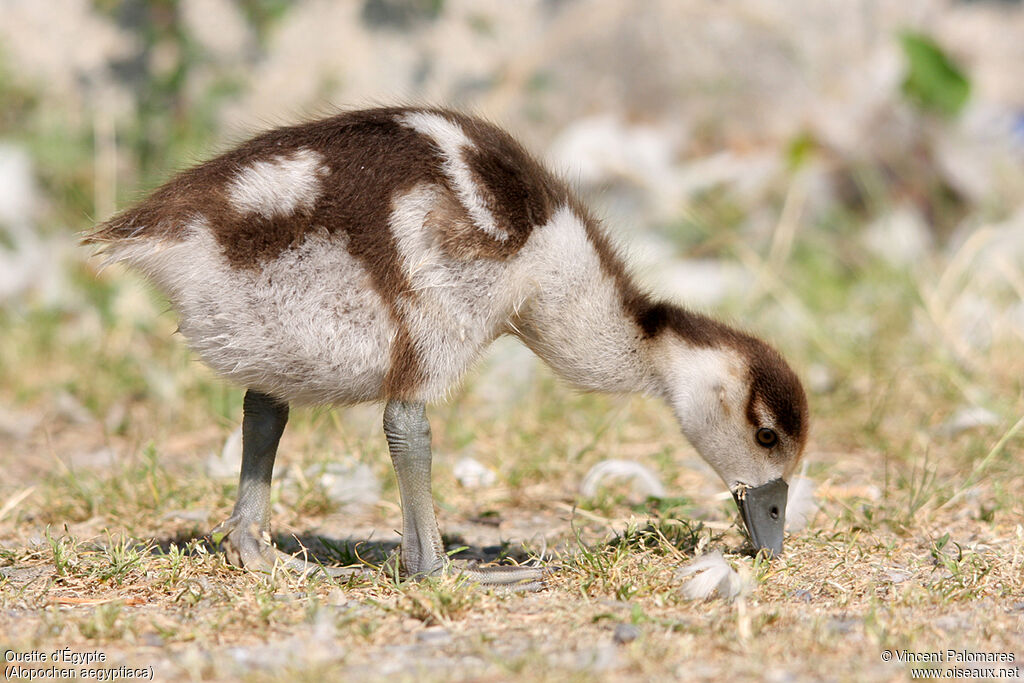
247,546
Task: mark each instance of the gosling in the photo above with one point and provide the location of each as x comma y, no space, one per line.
373,255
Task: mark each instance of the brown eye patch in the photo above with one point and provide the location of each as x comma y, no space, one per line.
766,437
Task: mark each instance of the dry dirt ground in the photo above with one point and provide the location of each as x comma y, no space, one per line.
105,505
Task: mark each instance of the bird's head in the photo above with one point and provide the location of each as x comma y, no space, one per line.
744,410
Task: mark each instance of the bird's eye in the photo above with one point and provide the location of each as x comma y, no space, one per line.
766,437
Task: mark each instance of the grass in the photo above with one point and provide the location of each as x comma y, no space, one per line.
917,544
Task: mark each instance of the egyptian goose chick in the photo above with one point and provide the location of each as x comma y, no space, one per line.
373,255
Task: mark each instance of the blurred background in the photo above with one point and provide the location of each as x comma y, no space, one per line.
844,177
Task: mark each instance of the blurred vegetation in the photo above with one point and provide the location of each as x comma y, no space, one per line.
933,80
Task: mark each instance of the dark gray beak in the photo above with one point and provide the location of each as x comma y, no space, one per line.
763,509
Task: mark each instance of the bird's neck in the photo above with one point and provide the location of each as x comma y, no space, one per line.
583,315
572,313
591,350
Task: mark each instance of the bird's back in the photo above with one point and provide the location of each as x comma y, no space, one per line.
356,257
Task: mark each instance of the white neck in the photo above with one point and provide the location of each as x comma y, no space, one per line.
571,312
590,351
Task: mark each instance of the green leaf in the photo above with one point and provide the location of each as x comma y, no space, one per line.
933,81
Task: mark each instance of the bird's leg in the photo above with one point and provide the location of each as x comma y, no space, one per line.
408,435
246,534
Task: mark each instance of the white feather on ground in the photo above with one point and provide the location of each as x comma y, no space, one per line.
800,506
642,480
225,465
711,574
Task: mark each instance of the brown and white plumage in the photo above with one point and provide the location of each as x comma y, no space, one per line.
375,254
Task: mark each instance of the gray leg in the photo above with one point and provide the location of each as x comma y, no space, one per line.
246,534
408,435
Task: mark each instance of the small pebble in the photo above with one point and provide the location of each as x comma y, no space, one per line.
346,483
841,625
70,408
951,623
337,598
968,417
472,474
152,640
434,635
896,575
625,633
